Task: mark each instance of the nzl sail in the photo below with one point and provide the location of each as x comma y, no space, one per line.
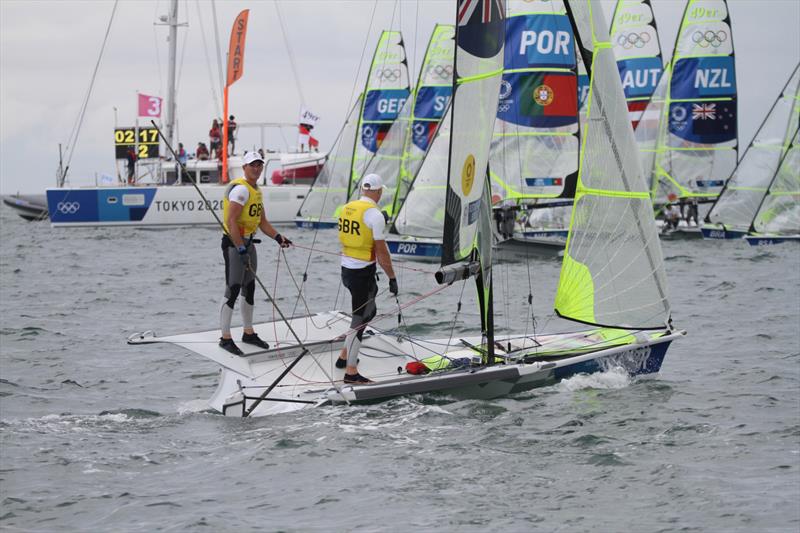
400,153
613,271
467,237
384,95
694,143
636,46
735,209
535,146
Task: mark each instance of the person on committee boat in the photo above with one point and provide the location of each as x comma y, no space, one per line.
361,227
243,215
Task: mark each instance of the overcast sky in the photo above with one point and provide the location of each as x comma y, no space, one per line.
48,51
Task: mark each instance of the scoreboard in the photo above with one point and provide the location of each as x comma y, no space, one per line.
125,137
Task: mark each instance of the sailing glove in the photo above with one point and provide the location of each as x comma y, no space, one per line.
283,241
243,255
393,286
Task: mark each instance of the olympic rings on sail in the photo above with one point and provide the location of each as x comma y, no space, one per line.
709,38
443,72
502,108
387,74
630,40
68,208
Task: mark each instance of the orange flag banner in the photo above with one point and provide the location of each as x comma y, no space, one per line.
236,48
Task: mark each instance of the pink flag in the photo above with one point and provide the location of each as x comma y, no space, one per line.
149,106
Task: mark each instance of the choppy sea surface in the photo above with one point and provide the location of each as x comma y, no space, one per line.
96,435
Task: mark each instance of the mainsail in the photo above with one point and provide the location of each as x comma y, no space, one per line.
613,271
399,155
634,36
535,145
779,213
330,189
385,94
467,235
694,143
736,206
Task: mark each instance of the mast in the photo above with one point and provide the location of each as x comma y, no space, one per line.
172,22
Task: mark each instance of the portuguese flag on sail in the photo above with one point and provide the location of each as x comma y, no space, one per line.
539,100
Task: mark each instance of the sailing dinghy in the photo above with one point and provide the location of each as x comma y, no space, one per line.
732,214
612,278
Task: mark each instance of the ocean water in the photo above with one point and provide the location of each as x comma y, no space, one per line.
96,435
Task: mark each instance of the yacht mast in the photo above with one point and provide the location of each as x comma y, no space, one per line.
172,21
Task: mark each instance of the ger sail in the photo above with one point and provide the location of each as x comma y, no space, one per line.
694,143
385,93
298,370
403,147
732,214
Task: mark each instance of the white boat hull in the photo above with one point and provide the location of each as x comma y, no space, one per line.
314,380
162,205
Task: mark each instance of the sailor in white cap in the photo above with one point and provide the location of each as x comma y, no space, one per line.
243,214
361,227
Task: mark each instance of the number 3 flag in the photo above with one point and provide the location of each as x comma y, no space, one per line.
149,106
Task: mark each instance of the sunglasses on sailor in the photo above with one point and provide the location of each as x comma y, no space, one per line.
257,164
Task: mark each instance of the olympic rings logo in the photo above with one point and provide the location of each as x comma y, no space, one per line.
68,208
388,74
443,72
709,38
631,40
503,108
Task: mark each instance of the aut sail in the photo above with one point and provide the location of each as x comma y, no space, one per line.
535,144
695,148
385,94
613,271
638,51
779,213
399,155
330,189
737,204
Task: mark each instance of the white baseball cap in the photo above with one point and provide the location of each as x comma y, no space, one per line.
371,182
249,157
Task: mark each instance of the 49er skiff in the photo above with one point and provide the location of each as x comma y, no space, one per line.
612,277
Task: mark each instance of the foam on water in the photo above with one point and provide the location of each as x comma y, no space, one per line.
613,378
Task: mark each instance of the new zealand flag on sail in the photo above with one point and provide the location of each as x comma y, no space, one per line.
538,99
480,26
703,122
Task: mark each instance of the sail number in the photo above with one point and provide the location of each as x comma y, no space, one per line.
125,137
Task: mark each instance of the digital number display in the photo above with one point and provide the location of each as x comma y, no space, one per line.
125,137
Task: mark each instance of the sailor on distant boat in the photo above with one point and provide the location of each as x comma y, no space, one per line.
243,214
361,227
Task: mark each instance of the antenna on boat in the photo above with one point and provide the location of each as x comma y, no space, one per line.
300,342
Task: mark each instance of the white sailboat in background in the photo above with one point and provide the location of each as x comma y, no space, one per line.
733,213
612,277
778,217
385,94
157,198
688,133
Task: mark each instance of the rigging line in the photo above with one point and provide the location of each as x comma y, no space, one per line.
183,55
255,277
73,138
209,68
158,55
290,53
338,254
455,317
